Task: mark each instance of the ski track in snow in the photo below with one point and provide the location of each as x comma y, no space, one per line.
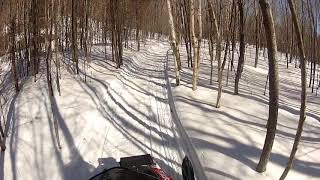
117,113
125,112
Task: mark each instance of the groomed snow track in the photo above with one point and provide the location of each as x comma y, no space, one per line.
116,113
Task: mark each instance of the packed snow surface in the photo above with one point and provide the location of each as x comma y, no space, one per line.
138,110
229,140
116,113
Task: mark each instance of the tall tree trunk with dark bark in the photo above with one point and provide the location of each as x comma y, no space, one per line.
138,24
302,117
273,84
233,41
56,41
186,22
257,35
13,46
216,32
35,37
2,133
74,36
242,46
85,43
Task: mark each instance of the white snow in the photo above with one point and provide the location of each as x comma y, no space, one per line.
117,113
229,140
127,111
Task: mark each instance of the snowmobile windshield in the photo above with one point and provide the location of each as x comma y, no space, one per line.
120,173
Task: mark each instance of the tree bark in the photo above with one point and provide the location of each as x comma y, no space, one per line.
302,117
273,84
216,32
74,37
13,47
242,47
287,39
196,43
2,143
2,135
257,35
186,17
174,44
137,25
233,42
56,41
85,43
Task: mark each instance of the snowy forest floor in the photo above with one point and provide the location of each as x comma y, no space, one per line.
126,112
229,140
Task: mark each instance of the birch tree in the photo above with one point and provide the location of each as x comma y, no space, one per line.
196,42
174,44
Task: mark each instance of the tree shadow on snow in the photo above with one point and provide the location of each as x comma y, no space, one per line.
77,168
128,127
244,153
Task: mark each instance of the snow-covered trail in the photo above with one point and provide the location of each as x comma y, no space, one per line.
140,115
125,112
116,113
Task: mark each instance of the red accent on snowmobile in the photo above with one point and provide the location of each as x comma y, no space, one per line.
142,167
161,173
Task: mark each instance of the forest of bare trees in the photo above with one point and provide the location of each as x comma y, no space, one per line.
38,36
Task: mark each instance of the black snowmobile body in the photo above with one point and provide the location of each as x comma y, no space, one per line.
134,168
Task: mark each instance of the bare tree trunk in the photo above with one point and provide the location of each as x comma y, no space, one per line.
313,27
2,135
25,31
1,117
242,47
137,25
302,117
292,43
112,30
210,39
49,50
48,63
66,30
13,47
57,49
188,32
233,43
216,32
185,19
35,36
105,31
117,33
315,46
174,44
211,55
2,143
287,32
257,28
74,37
227,41
273,84
85,43
196,43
